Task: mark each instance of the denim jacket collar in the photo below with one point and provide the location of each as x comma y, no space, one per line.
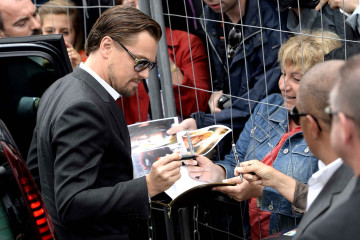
279,116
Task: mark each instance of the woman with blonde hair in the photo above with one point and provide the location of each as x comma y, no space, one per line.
273,137
62,17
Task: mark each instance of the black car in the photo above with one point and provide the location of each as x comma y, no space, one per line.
22,211
28,65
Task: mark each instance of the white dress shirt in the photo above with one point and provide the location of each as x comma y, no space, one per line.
319,179
354,19
107,87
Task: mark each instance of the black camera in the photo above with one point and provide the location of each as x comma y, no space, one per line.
224,102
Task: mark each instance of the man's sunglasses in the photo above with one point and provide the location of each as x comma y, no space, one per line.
140,64
295,114
331,113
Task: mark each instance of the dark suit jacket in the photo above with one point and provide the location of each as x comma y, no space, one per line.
342,223
82,148
335,192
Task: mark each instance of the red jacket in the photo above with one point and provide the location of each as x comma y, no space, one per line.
193,64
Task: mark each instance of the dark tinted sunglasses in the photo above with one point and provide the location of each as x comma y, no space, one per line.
295,114
233,41
140,64
234,37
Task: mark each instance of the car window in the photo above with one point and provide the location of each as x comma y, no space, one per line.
23,80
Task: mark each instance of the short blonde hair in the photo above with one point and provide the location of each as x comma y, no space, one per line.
67,7
306,49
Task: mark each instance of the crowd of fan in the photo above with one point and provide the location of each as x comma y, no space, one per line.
265,69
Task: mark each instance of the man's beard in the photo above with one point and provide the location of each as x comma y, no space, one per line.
128,91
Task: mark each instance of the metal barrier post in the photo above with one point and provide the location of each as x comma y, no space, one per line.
153,83
163,60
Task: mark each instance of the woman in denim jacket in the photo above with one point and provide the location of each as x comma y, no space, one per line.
271,136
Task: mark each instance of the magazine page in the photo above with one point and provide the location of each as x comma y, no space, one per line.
149,141
183,184
204,139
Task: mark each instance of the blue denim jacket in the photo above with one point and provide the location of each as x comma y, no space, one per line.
262,133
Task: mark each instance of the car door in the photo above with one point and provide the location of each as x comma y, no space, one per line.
28,66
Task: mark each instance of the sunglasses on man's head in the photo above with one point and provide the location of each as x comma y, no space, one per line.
140,64
295,115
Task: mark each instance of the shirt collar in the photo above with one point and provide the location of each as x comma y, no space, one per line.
103,83
325,171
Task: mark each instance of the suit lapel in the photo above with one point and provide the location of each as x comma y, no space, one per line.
115,110
121,122
334,186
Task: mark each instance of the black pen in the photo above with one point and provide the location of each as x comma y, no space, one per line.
185,157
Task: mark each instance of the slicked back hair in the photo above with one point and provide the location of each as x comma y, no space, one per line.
121,23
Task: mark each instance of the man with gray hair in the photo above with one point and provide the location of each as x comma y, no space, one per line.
344,110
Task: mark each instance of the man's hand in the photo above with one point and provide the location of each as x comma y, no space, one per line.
206,171
163,174
348,6
241,191
187,124
214,101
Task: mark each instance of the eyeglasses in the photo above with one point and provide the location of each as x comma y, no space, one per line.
331,113
140,64
295,114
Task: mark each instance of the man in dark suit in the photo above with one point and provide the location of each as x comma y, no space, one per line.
333,183
344,221
81,143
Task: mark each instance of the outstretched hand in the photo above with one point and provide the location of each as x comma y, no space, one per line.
187,124
243,190
257,173
267,176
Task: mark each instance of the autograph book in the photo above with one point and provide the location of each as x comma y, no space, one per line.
149,141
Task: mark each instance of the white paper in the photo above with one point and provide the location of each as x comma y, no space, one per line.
184,183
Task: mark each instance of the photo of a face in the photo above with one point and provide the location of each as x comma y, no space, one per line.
150,135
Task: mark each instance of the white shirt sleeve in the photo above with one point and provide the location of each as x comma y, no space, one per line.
354,19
